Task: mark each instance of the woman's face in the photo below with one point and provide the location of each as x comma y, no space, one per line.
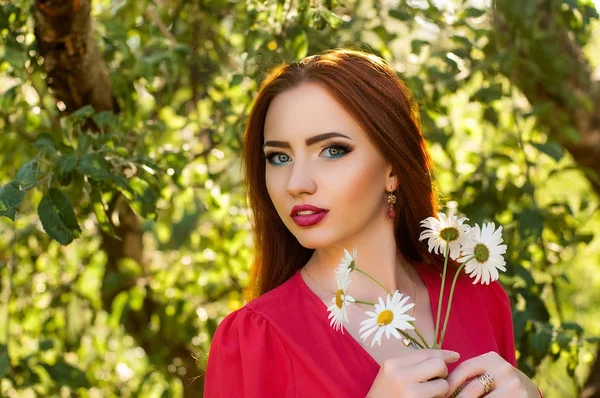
344,175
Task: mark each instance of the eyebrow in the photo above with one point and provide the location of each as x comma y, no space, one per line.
309,141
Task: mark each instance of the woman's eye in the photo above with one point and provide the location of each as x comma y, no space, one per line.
273,155
335,151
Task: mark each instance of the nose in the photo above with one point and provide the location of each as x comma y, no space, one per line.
301,181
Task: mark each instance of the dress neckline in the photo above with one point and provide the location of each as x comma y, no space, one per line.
433,300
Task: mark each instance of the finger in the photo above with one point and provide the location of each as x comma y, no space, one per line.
424,371
468,369
473,388
433,388
506,390
496,393
424,355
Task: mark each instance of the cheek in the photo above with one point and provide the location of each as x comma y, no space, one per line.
275,184
360,181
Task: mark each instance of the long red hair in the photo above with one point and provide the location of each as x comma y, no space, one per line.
377,98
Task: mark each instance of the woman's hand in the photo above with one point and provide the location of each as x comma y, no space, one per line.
508,380
418,373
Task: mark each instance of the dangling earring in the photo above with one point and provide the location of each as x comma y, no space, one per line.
391,212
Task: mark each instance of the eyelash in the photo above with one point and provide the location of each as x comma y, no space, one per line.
270,155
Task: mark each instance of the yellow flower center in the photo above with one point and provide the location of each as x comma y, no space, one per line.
338,298
385,317
482,253
449,234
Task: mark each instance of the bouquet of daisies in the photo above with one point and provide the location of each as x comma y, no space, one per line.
478,249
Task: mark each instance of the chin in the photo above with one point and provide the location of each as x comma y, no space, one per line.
314,241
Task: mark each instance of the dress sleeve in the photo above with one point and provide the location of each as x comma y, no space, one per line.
503,324
247,359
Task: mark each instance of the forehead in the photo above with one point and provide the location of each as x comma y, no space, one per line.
306,110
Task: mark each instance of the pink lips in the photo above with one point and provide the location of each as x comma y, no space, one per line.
308,220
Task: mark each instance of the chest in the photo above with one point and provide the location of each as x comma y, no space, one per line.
393,347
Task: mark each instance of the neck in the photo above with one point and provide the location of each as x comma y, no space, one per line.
377,255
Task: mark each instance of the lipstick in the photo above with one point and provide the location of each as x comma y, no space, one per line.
306,220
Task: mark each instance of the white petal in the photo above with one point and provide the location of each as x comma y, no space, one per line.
377,336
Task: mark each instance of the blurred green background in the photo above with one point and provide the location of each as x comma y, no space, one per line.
125,238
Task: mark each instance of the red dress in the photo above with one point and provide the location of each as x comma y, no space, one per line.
281,344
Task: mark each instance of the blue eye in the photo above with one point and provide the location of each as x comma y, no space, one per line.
269,156
335,151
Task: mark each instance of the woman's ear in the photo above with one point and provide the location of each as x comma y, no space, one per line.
392,178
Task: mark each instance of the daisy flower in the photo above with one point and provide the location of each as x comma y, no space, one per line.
337,310
348,262
387,318
443,231
486,252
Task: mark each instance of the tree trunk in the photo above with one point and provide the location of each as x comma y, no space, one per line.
77,76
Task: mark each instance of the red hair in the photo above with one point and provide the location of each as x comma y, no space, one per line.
372,93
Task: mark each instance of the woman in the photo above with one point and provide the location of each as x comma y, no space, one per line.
334,159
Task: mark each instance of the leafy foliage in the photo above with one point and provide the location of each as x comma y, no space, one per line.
184,75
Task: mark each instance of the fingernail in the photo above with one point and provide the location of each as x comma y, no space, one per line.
455,354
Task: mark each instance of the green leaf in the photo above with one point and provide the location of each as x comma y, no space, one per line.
584,238
473,12
551,148
539,343
64,166
82,113
416,46
536,308
572,326
57,216
83,144
119,306
15,54
571,134
531,222
137,295
11,197
4,361
520,320
45,345
563,340
45,142
400,14
64,374
488,94
105,118
490,115
462,40
236,79
94,166
299,45
27,174
121,182
332,19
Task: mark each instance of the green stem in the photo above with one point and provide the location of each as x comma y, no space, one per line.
403,333
450,299
439,310
420,335
370,277
364,302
